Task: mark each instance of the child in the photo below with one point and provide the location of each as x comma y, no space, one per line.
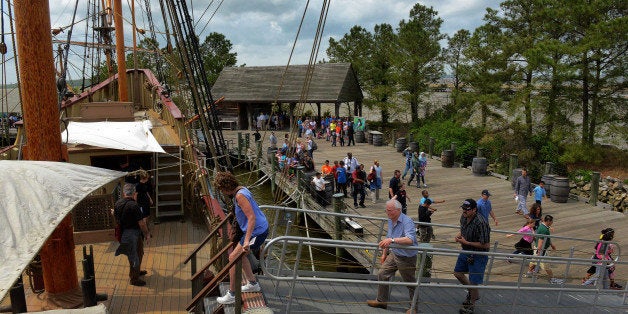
603,251
403,198
539,192
524,246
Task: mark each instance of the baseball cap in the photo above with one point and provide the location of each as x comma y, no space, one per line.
468,204
485,192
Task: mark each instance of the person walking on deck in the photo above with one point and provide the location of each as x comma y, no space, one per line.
254,226
522,189
485,208
603,251
359,180
401,233
524,246
134,232
394,184
377,184
539,193
542,244
407,154
474,235
426,233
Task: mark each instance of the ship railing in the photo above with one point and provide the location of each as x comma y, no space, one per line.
199,288
375,231
292,274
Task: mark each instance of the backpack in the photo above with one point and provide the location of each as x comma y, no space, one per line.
314,146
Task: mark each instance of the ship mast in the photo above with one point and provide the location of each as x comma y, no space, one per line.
123,94
41,123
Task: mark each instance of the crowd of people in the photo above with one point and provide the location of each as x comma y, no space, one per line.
351,178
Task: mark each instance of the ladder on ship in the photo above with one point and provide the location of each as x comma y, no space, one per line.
169,183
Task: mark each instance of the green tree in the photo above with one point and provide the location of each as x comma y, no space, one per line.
417,57
379,78
216,54
456,60
354,47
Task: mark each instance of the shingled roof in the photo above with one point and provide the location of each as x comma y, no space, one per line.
331,83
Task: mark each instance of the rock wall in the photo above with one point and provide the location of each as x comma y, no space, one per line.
612,191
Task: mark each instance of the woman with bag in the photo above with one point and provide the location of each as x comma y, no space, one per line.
524,246
253,224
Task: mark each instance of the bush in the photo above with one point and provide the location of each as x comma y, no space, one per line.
447,132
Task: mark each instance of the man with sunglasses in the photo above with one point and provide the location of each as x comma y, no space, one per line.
474,235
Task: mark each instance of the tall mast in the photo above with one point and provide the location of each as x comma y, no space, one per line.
123,94
41,123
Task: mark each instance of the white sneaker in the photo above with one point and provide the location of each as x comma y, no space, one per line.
528,274
251,287
424,185
227,299
556,281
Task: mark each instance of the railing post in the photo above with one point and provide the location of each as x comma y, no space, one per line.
431,147
259,156
512,165
247,141
453,153
595,187
549,167
338,207
479,152
283,254
238,285
300,174
571,251
490,263
295,272
240,145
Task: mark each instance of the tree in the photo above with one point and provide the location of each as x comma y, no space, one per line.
354,47
379,76
417,58
456,60
216,54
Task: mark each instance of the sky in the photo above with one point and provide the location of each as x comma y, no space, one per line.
263,32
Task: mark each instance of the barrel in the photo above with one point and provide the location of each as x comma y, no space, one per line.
515,174
359,136
400,144
559,193
369,137
548,179
478,166
447,158
414,147
378,139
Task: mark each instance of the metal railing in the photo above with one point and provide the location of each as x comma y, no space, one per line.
293,275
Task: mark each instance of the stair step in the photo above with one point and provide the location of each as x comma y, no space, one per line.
168,203
169,193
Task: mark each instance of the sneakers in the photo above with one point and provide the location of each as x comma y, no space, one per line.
362,205
249,287
615,286
425,185
556,281
227,299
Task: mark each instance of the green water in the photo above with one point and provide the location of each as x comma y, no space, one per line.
323,259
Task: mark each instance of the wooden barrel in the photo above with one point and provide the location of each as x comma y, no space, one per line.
400,144
447,158
359,136
378,139
515,174
559,193
548,179
369,137
479,166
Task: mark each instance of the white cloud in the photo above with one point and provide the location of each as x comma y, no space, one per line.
263,32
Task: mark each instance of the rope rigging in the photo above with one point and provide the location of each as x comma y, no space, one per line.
200,90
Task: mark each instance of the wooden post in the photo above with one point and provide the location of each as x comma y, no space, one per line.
41,123
514,163
338,205
478,152
549,167
431,147
239,146
123,94
453,153
595,187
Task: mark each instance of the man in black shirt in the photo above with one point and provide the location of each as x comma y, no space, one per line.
474,235
393,185
425,215
359,178
133,226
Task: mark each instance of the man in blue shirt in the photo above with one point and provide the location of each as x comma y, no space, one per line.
485,208
401,232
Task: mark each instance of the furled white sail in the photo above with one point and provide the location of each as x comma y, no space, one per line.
35,196
134,136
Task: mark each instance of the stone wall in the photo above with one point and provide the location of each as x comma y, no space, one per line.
612,191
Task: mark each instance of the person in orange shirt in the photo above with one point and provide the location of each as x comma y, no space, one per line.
326,168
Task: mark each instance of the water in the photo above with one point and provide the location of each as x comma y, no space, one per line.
315,258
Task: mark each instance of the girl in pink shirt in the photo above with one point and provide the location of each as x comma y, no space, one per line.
524,246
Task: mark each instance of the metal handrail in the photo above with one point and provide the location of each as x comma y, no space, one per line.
384,220
282,241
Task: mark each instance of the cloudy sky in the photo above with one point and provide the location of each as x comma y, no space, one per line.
263,32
